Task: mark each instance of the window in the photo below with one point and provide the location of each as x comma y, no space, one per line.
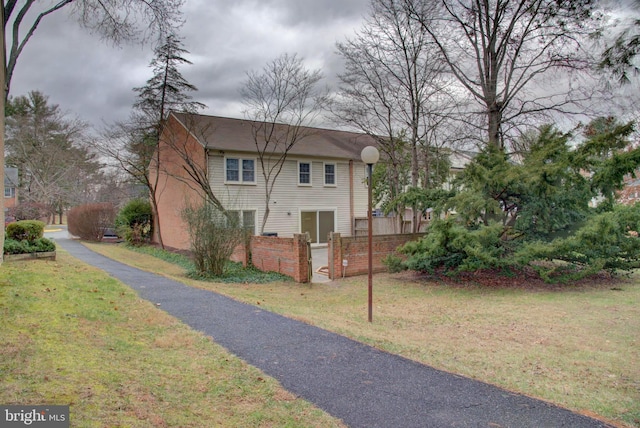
9,192
240,170
248,171
304,173
245,219
249,220
329,174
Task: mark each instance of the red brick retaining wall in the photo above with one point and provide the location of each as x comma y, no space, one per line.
355,250
287,256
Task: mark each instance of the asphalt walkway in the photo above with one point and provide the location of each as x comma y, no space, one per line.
362,386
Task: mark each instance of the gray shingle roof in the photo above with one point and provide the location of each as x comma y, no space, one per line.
221,133
10,176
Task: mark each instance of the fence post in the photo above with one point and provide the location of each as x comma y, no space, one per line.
334,258
302,270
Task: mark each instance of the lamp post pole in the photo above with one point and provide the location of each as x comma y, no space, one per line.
370,220
370,156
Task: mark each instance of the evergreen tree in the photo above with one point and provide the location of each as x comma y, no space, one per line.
558,203
167,89
135,145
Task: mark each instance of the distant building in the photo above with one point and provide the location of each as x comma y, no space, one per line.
10,187
630,194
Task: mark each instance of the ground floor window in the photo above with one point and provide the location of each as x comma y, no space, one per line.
245,218
318,224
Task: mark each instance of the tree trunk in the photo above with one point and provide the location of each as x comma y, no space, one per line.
156,220
494,120
415,173
267,211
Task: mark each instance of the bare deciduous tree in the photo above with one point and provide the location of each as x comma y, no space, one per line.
135,146
282,99
130,148
620,54
499,50
188,167
116,20
56,168
394,88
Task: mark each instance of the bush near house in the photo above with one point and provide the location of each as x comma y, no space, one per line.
214,235
29,230
134,222
90,221
25,237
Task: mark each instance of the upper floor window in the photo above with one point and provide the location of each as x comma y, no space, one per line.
304,173
329,174
240,170
9,192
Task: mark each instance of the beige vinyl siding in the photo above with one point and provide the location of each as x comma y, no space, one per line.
288,199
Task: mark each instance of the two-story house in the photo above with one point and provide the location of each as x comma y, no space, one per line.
10,187
321,187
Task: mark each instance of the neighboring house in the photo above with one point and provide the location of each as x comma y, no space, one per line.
10,187
321,188
630,194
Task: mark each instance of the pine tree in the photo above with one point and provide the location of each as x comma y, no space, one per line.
166,90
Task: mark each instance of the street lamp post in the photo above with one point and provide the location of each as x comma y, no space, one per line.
370,156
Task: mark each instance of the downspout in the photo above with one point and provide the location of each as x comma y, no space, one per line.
351,203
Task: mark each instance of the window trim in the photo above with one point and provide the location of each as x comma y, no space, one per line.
310,183
335,174
240,180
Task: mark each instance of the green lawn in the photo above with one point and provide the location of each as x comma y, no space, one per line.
72,335
576,346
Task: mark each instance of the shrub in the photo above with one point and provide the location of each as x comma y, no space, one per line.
607,241
11,246
40,245
394,263
90,221
28,230
134,222
455,248
213,235
29,211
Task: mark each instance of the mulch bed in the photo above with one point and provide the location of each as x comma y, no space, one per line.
525,279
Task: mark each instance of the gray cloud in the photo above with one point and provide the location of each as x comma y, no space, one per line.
94,80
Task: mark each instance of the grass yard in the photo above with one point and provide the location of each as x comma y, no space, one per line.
71,335
577,346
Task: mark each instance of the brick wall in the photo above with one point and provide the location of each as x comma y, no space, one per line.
288,256
240,255
174,186
355,250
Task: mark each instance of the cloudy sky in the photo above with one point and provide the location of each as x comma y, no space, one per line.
93,79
